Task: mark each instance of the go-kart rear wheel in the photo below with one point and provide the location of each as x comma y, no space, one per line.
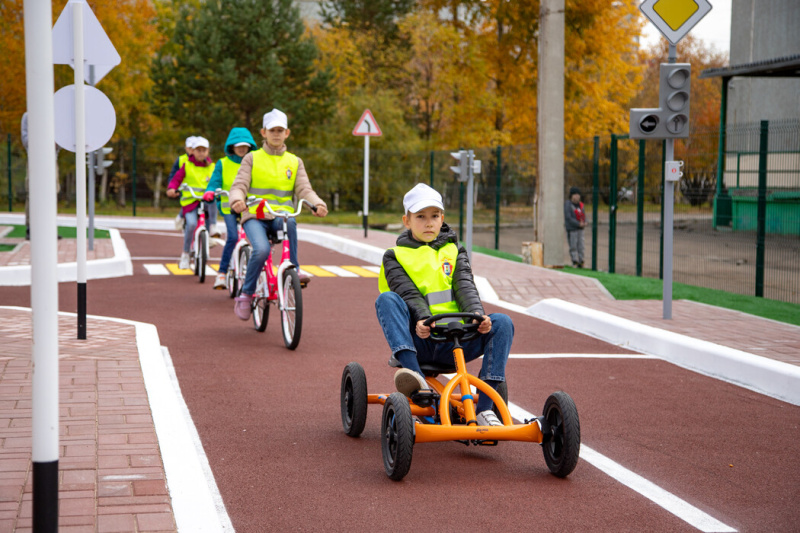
562,434
353,399
397,436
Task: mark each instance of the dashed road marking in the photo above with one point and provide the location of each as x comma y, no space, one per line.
322,271
339,271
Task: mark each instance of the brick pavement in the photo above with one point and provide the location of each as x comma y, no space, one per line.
111,474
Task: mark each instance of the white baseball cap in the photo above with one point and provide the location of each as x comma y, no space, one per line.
420,197
200,141
190,141
275,118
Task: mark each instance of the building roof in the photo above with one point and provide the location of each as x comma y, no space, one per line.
779,67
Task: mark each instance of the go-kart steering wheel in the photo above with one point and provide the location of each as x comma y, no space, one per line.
450,331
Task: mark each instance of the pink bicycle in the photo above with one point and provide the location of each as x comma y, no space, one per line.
199,252
234,276
281,287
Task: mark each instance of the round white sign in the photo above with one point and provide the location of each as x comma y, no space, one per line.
101,119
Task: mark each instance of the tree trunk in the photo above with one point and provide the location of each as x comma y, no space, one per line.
103,194
157,189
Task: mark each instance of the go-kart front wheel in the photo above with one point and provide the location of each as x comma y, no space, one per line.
562,434
397,436
353,399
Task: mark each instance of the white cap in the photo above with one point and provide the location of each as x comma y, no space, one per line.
420,197
200,141
241,144
275,118
190,141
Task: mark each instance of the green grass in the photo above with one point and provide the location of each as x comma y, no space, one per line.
6,247
66,232
624,287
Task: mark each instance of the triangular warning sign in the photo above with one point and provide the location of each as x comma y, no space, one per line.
367,125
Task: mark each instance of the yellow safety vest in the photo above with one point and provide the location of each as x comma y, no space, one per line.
431,271
229,171
273,178
182,159
197,180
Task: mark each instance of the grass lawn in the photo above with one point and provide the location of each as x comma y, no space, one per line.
624,287
66,232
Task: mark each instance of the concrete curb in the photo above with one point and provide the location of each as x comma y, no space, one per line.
113,267
760,374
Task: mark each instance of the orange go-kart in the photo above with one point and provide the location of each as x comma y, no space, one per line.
442,414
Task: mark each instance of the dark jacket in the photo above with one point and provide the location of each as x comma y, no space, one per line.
573,215
466,293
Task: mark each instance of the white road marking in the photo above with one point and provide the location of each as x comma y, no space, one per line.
342,273
156,270
678,507
581,356
373,268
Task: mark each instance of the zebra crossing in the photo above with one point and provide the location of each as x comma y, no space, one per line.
322,271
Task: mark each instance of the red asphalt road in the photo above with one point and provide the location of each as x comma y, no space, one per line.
269,421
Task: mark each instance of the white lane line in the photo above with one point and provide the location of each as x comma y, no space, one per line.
373,268
581,356
680,508
156,270
342,273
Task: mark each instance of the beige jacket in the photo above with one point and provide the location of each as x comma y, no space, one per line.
302,185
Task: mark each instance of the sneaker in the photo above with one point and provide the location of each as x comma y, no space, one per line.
408,382
242,306
179,222
184,262
488,418
221,283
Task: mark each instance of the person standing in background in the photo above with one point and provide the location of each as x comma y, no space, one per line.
575,221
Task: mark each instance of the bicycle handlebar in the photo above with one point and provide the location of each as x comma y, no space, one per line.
253,200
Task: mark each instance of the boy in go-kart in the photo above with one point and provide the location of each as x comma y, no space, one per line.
428,273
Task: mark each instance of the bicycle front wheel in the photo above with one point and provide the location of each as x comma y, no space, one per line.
202,256
292,312
261,307
241,267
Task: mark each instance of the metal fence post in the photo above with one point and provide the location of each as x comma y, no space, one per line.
762,206
595,197
10,198
133,191
431,178
640,209
497,199
612,214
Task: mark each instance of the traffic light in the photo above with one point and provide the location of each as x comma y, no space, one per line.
101,163
673,96
671,119
462,169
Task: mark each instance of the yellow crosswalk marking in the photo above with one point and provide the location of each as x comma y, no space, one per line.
361,271
173,267
317,271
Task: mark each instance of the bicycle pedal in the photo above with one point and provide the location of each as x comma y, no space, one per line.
484,442
424,398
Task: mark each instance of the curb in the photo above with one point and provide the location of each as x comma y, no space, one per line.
760,374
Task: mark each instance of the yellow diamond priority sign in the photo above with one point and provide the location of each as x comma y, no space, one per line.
674,18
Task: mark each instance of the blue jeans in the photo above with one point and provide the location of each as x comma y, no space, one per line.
256,231
230,241
192,217
395,319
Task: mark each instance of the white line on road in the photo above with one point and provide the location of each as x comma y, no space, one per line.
580,356
342,273
678,507
156,270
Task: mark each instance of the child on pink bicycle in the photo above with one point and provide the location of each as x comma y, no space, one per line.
195,173
239,143
277,176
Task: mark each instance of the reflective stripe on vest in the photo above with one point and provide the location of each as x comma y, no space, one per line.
432,272
229,171
197,180
273,178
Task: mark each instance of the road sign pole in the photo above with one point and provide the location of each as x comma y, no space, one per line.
91,161
669,201
470,201
366,183
80,162
44,263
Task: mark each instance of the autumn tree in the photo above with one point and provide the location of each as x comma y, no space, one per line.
228,62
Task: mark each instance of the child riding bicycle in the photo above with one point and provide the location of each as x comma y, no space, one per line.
277,176
428,273
195,173
239,143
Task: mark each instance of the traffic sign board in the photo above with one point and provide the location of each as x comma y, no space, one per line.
98,51
100,117
367,126
674,18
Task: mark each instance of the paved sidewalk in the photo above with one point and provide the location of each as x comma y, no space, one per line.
112,473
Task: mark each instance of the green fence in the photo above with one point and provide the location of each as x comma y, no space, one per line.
718,239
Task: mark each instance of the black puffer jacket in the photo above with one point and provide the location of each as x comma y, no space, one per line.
466,293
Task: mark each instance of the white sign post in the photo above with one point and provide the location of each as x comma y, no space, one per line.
78,40
674,19
366,127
